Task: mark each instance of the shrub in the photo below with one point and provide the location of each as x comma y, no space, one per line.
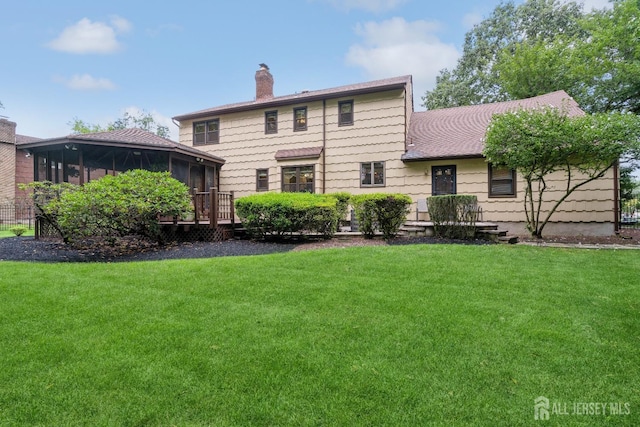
279,214
454,215
113,206
342,206
18,230
127,204
381,211
46,199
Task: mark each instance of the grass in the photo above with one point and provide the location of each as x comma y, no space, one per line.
7,233
384,336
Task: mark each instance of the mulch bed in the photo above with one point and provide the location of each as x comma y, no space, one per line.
47,250
134,249
626,237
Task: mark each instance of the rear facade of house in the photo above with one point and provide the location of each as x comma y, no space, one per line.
365,138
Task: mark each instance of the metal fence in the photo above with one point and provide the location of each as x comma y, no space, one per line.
16,213
630,213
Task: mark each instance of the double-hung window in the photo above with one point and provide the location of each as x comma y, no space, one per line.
299,119
502,182
262,180
345,113
206,132
271,122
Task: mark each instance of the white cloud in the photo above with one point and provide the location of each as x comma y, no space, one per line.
396,47
86,82
368,5
596,4
91,37
120,24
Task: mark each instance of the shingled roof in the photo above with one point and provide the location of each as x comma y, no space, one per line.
24,139
306,96
299,153
459,132
128,138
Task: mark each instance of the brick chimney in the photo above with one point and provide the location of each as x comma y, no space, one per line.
264,83
7,160
7,131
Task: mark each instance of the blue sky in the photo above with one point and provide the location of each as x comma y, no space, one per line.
96,60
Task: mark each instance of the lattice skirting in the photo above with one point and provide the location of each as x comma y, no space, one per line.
170,233
45,230
194,233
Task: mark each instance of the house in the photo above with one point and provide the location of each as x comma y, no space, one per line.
366,138
16,167
446,145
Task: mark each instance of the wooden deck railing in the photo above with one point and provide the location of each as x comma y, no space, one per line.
213,206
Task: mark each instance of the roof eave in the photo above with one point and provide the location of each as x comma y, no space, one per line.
288,101
435,158
129,145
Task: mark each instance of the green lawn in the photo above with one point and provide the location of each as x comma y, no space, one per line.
7,233
373,336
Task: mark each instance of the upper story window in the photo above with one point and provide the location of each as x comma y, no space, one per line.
372,174
299,119
206,132
443,180
502,182
345,113
271,122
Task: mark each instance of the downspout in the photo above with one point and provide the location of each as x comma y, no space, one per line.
616,198
324,145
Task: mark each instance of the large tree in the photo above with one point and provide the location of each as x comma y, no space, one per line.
475,80
538,143
144,121
599,69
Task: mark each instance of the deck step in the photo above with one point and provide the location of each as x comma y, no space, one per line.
413,229
508,239
499,233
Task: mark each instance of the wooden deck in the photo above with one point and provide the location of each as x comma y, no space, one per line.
210,209
203,223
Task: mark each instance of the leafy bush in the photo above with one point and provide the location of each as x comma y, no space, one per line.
381,211
18,230
342,206
114,206
454,215
279,214
46,199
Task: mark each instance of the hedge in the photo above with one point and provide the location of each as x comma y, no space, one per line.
381,211
278,214
454,216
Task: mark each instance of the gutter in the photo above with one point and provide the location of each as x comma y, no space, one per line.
324,146
287,100
430,159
